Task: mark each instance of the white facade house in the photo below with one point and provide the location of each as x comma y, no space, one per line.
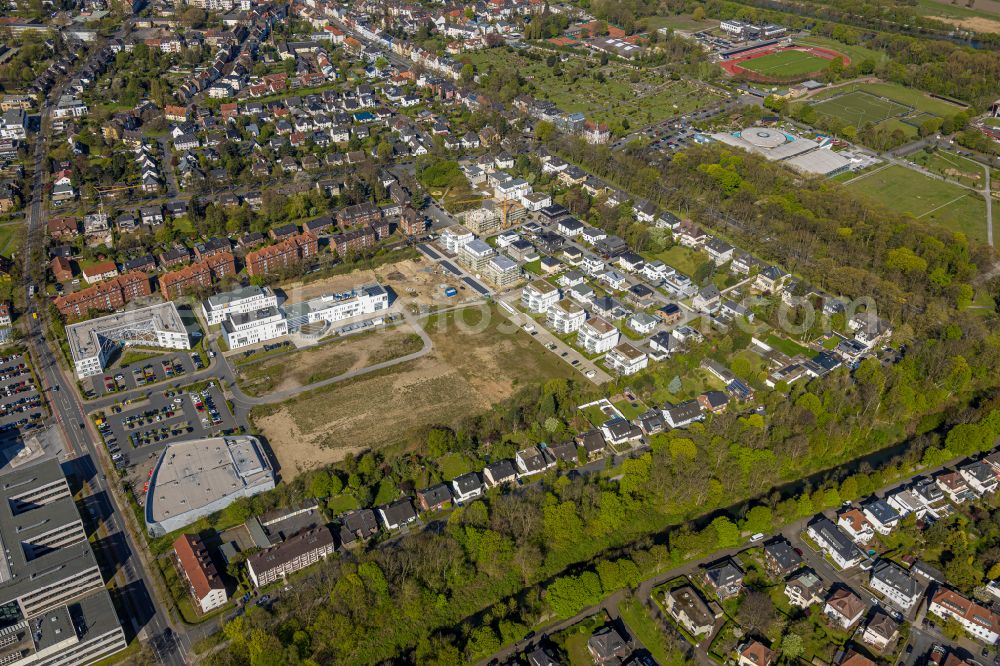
835,543
895,584
597,336
880,515
330,308
565,316
980,622
250,328
239,301
538,296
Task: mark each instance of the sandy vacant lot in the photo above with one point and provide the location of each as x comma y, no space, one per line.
419,282
314,364
465,374
974,23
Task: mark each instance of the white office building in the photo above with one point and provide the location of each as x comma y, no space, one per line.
92,342
330,308
242,329
239,301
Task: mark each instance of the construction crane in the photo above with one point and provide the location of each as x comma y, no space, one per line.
505,207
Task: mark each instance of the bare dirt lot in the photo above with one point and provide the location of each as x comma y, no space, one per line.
417,282
465,374
313,364
974,23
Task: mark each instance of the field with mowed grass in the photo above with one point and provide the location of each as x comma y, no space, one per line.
473,366
785,64
927,199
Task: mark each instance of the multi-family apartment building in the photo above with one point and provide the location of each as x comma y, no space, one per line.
207,588
199,275
597,336
105,296
283,255
295,553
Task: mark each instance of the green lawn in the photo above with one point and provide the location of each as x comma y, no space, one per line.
629,409
927,199
10,238
852,51
453,464
341,504
918,99
678,22
786,64
642,625
684,259
951,166
786,346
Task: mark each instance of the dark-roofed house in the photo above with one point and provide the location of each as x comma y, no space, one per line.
466,487
607,646
893,582
780,558
541,657
725,578
713,401
397,514
502,471
534,460
880,630
358,525
683,414
685,605
834,543
295,553
434,498
593,443
566,452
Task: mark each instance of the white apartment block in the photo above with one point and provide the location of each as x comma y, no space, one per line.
565,316
501,271
454,238
250,328
367,299
626,359
895,584
239,301
538,296
293,554
597,336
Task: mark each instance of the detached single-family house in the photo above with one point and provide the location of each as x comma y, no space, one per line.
685,605
832,540
725,578
895,584
880,631
466,487
880,515
844,608
499,472
804,589
397,514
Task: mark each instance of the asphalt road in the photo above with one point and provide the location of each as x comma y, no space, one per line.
138,596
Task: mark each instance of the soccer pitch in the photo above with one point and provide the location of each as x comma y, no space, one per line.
785,64
858,108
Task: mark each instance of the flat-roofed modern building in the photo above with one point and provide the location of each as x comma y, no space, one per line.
538,295
625,359
597,336
295,553
565,316
92,342
366,299
54,608
239,301
242,329
474,255
196,478
501,271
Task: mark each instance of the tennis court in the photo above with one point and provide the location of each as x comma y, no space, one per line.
859,108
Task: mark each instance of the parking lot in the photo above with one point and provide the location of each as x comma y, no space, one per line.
168,367
136,436
21,404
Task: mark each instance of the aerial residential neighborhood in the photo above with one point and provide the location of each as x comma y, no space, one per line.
502,332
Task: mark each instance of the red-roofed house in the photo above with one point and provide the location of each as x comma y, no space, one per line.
207,587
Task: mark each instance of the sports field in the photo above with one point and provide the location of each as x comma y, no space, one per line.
859,108
927,199
786,64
